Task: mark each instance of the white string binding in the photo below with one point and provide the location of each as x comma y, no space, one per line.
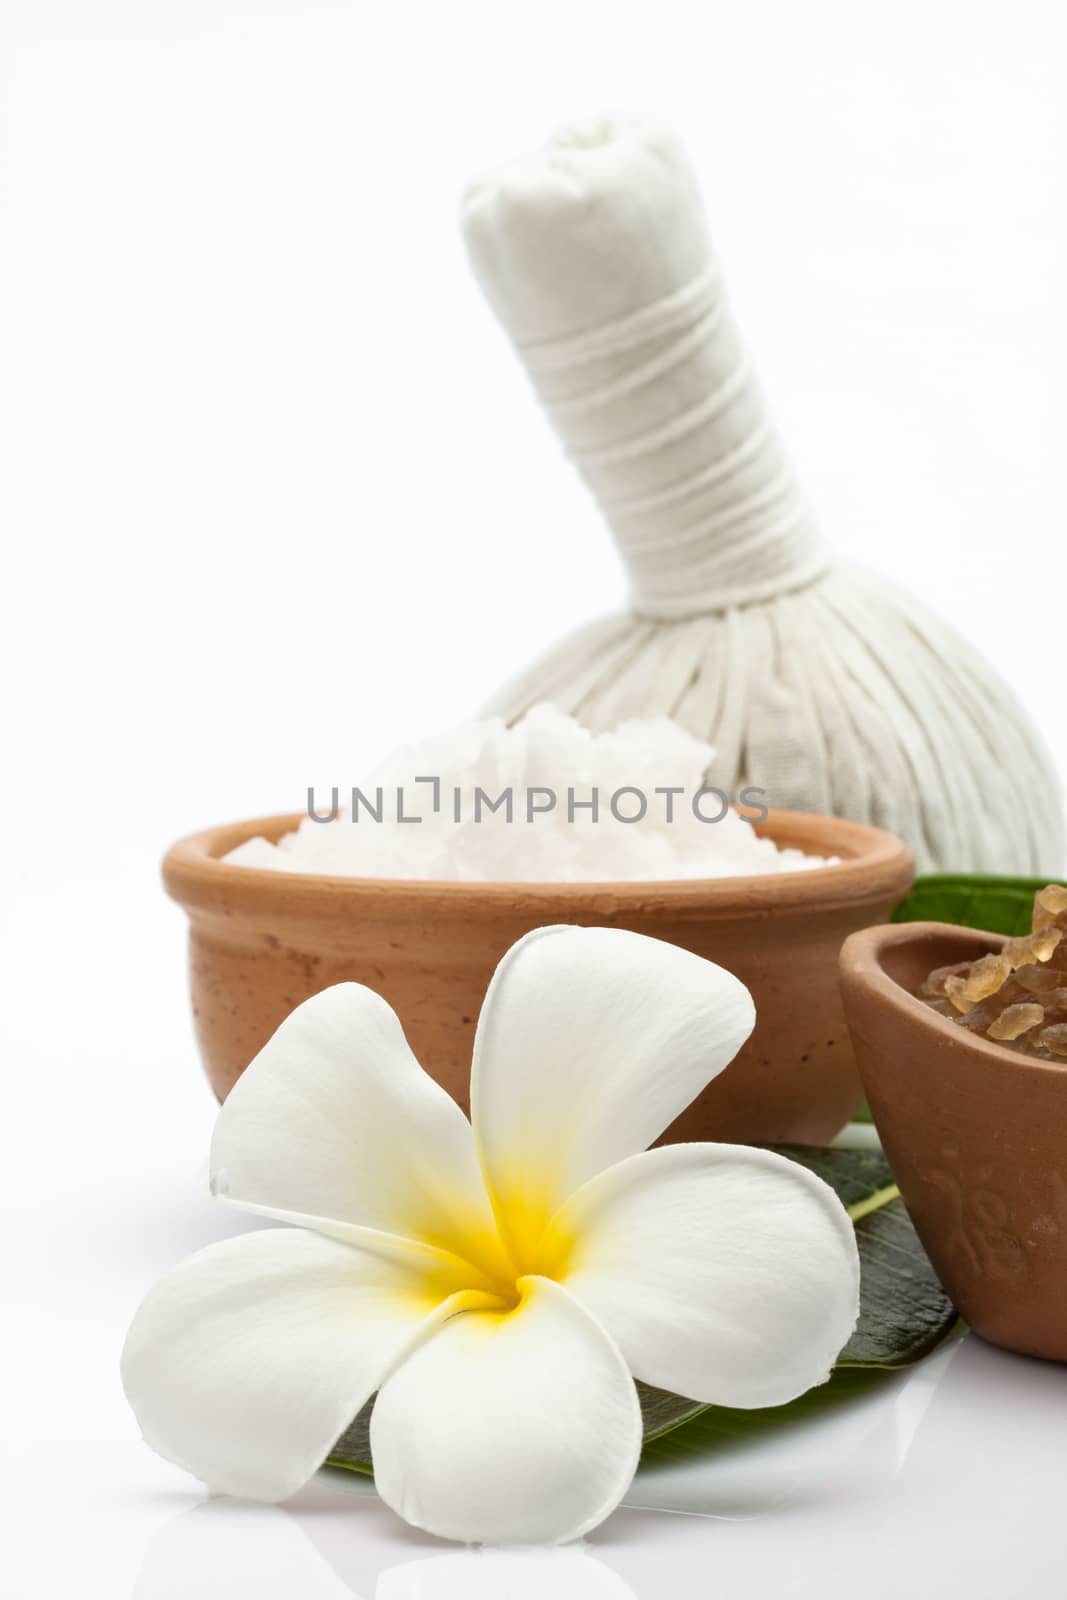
810,678
747,534
638,327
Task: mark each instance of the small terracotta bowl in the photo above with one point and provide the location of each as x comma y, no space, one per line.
976,1135
262,941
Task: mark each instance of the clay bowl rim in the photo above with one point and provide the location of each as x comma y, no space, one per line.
861,963
875,864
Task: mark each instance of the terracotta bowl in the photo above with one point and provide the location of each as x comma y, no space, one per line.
976,1135
262,941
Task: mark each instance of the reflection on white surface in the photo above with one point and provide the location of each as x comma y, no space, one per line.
949,1481
572,1574
864,1439
224,1551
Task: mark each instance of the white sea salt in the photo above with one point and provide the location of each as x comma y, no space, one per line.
542,801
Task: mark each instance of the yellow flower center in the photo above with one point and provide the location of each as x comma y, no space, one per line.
526,1242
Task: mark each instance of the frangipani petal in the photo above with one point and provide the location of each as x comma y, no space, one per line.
723,1273
246,1362
590,1042
335,1122
513,1428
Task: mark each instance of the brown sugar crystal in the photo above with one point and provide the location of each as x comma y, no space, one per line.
1015,1020
986,977
1049,906
1017,995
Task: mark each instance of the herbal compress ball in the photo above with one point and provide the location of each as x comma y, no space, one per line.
812,679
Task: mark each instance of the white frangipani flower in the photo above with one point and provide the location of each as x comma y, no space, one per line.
497,1283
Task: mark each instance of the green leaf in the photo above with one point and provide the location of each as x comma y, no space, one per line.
994,905
719,1424
352,1450
904,1312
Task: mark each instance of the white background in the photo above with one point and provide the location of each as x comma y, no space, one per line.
275,497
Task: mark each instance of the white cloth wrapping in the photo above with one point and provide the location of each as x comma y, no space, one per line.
813,680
